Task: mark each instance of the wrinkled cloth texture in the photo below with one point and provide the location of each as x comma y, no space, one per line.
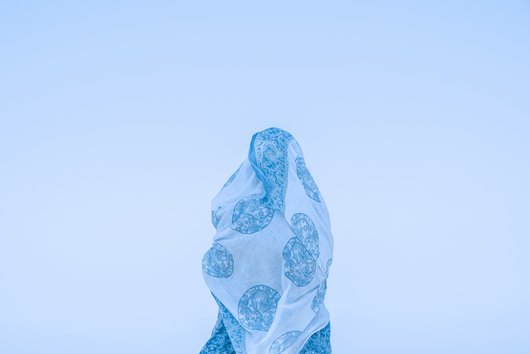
269,261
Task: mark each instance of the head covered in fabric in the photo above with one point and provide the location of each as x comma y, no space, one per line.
271,253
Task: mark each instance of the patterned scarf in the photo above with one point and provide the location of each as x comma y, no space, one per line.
271,253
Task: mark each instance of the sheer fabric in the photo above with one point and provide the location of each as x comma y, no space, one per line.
269,261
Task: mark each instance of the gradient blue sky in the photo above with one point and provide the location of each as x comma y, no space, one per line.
119,121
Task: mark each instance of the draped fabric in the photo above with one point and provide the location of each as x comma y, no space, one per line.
270,257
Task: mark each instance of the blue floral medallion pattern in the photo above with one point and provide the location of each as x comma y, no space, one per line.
232,329
251,215
220,342
218,262
318,300
257,307
216,217
298,263
304,228
268,156
319,342
283,342
311,188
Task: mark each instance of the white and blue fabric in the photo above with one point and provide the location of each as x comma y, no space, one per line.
271,253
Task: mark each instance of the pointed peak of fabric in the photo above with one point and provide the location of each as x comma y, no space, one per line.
274,131
268,155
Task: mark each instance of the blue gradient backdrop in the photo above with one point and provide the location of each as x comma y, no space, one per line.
120,121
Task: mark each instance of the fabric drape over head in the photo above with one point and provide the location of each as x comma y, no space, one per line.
271,253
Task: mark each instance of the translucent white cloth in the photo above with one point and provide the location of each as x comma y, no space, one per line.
272,249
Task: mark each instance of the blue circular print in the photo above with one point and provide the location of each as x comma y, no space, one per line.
218,262
305,230
318,300
283,342
251,215
299,265
257,307
311,188
216,217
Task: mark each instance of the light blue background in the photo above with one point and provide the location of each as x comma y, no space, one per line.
121,120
